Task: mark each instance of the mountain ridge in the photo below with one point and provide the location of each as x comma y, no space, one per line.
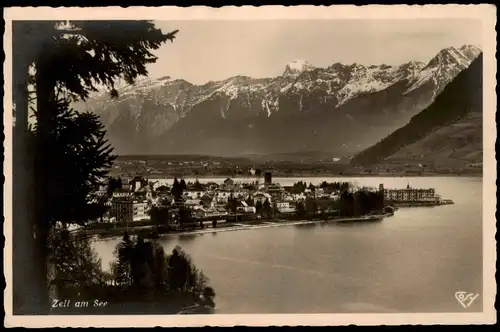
448,131
268,115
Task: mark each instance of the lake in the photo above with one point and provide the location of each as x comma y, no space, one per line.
413,262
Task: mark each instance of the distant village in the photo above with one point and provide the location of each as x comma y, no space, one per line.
139,201
137,198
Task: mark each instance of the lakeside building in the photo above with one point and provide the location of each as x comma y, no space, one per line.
282,206
410,194
122,193
138,182
193,194
261,197
126,210
276,191
244,208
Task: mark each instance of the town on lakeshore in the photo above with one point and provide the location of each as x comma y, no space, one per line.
152,208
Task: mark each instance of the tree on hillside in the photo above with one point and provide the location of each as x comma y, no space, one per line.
69,59
121,268
76,266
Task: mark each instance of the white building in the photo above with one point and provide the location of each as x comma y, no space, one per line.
261,197
246,209
121,193
193,194
139,211
282,205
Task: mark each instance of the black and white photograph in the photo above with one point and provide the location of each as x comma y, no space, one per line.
263,166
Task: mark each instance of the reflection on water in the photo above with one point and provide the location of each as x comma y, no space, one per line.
414,261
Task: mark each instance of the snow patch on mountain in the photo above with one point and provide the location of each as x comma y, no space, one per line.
297,67
444,66
366,80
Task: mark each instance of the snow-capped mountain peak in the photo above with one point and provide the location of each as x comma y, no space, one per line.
471,51
445,65
297,67
167,106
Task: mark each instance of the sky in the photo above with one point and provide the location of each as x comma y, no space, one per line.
214,50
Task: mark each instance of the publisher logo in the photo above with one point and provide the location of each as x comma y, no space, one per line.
466,299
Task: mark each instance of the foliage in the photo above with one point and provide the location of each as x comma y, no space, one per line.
177,189
71,59
113,185
152,274
160,216
185,215
197,185
298,187
258,206
183,184
311,206
267,208
76,266
85,55
249,201
337,186
78,160
301,209
141,273
360,203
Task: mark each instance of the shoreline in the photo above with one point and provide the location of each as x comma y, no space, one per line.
471,175
262,225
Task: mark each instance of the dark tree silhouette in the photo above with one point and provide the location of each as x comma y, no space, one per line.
301,209
249,201
232,204
258,206
113,185
76,266
177,189
160,216
267,208
185,215
122,268
183,184
197,185
70,59
311,206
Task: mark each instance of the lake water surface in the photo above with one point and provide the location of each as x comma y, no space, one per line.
414,261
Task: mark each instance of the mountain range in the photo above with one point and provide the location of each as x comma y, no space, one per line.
341,109
447,133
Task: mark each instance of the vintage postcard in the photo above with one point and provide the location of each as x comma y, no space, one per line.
250,166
